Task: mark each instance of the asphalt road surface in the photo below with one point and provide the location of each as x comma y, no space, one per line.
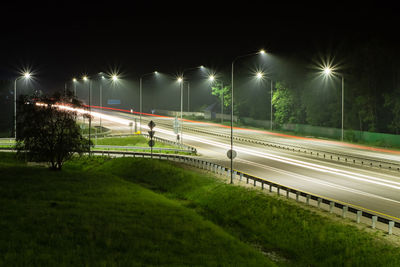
371,188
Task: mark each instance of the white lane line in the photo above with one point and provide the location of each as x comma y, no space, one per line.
316,181
312,166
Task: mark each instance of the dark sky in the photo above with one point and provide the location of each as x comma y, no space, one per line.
62,39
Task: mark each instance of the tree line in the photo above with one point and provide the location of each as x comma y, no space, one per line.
303,95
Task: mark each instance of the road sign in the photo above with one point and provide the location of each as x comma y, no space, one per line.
151,143
231,154
151,125
151,134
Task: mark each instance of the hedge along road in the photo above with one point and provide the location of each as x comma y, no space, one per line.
368,188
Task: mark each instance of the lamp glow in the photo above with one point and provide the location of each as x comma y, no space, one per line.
114,77
259,75
327,71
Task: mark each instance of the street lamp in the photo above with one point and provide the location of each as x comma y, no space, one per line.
262,52
74,80
27,75
85,78
260,75
328,72
140,96
211,78
181,81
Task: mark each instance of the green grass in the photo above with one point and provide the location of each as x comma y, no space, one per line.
123,141
83,216
275,225
138,141
128,211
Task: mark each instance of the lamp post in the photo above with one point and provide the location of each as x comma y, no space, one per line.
140,96
232,71
259,76
26,75
74,81
85,78
101,75
211,78
328,71
180,81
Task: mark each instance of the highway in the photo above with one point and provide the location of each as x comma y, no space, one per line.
371,188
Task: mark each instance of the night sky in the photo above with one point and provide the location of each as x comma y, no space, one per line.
60,40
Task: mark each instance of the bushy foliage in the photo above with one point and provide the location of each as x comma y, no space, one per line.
46,133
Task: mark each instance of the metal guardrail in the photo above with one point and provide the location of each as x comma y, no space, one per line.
333,156
345,158
238,175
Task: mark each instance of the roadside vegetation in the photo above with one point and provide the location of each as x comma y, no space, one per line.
127,211
136,141
85,216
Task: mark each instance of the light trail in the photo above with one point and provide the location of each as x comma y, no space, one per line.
316,181
329,142
252,152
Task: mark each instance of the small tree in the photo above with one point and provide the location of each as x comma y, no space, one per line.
47,133
225,92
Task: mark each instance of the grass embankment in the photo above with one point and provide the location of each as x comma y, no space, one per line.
137,141
84,216
273,225
137,211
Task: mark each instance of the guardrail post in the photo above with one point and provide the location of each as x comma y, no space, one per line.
270,188
278,189
308,199
287,193
319,202
359,213
331,205
262,185
297,196
390,227
254,180
374,220
344,211
241,176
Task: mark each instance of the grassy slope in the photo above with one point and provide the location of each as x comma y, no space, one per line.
302,236
138,141
87,215
83,217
